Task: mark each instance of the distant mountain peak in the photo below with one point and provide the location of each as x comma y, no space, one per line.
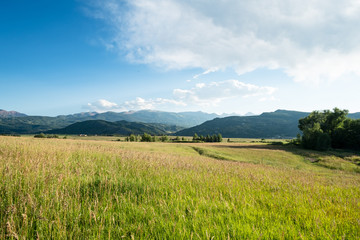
249,114
10,114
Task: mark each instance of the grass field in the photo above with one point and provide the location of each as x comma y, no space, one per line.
77,189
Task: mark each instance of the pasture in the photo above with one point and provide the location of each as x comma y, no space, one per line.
87,189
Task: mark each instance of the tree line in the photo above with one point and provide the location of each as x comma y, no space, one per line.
145,137
327,129
207,138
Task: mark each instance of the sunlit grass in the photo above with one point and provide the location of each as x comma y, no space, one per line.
57,188
281,156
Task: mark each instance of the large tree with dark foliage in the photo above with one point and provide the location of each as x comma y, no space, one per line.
330,129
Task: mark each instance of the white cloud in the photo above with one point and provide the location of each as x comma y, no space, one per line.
136,104
211,70
310,40
141,104
215,92
201,95
102,105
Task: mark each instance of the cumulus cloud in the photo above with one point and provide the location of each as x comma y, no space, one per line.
215,92
200,95
141,104
138,103
309,40
102,105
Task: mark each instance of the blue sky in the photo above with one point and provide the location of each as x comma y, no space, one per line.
69,56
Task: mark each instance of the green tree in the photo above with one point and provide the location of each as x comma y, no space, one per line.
347,136
132,138
146,138
219,137
41,135
333,120
164,138
322,130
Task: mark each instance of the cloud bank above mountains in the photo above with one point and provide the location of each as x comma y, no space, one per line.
202,95
310,41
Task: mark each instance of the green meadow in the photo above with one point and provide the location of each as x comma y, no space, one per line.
100,189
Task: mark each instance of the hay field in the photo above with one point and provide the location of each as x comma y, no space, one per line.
77,189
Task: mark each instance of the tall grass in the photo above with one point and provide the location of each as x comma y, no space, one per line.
59,189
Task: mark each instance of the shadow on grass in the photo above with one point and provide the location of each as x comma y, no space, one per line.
333,159
294,149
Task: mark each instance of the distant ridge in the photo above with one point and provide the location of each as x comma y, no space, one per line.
249,114
36,124
101,127
278,124
10,114
354,115
183,119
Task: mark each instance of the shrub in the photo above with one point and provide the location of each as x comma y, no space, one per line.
41,135
146,138
164,138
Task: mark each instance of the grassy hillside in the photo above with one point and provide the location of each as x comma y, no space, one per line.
57,188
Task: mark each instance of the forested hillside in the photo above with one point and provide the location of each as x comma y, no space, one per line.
278,124
36,124
100,127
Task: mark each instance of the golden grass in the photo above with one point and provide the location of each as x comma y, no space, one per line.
57,188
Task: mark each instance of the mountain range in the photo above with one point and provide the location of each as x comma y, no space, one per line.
278,124
101,127
18,123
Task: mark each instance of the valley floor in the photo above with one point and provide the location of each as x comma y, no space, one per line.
76,189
